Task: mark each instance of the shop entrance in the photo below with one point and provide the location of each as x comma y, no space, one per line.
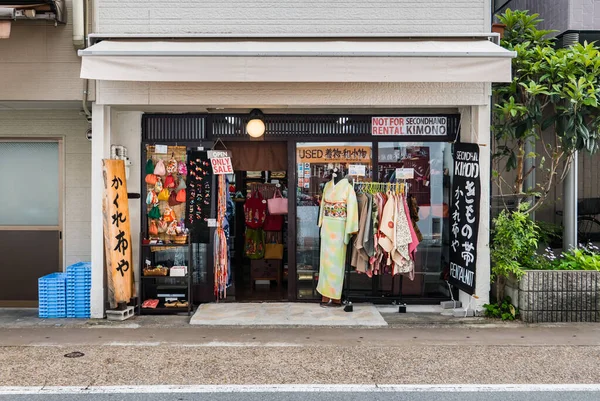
257,237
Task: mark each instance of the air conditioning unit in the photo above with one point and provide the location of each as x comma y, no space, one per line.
51,10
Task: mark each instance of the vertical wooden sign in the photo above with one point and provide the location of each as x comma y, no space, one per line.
117,234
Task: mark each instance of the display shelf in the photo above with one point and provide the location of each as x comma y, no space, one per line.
171,277
163,310
165,245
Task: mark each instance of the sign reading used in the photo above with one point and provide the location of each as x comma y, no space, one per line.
117,234
222,165
410,126
358,170
332,154
464,229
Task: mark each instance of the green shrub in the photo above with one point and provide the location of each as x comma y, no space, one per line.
504,310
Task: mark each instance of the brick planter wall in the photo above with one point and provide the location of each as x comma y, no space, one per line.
559,296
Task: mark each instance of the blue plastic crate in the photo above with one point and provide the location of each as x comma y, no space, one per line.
52,296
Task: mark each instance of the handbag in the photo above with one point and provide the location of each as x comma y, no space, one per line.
154,213
151,179
169,182
254,243
153,228
182,167
163,195
278,204
274,251
172,165
149,167
273,222
158,186
162,226
255,210
173,199
169,215
159,169
181,196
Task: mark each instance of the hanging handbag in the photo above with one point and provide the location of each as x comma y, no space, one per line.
170,182
159,169
158,186
169,215
152,228
278,204
151,179
172,165
274,251
273,222
181,184
181,196
173,199
163,195
254,243
162,226
182,167
154,213
255,210
149,167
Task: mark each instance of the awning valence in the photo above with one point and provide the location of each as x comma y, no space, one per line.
457,60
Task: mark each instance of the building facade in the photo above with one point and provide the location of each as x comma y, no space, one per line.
316,67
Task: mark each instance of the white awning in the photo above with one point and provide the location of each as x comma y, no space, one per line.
456,60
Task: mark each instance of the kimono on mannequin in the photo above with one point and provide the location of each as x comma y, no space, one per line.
338,219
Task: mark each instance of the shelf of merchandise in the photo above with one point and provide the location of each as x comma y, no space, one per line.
147,282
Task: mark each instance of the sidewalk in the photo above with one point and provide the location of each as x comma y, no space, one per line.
167,350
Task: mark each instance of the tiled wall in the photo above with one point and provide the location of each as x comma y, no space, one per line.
267,17
584,14
71,126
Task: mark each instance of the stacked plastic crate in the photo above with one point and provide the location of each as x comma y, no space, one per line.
52,296
79,284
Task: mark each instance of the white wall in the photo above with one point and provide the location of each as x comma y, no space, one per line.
268,17
71,126
39,62
251,95
126,130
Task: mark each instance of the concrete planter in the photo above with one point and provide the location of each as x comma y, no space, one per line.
559,296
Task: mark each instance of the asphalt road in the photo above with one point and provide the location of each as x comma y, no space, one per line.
335,396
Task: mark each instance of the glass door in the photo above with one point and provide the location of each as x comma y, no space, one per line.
30,217
315,163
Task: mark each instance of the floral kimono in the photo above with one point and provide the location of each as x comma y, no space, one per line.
338,219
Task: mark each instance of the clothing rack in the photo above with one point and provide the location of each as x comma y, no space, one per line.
376,295
266,190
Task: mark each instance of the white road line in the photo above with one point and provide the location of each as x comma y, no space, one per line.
300,388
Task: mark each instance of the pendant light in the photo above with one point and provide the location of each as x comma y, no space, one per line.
256,125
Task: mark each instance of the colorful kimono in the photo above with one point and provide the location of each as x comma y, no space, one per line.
338,219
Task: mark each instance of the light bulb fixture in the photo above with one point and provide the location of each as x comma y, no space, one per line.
256,125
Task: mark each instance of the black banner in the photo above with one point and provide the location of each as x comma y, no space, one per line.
464,217
199,196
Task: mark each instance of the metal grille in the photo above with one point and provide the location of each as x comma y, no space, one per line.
560,296
228,126
192,127
173,127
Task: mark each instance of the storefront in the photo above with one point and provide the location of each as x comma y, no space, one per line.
396,149
368,121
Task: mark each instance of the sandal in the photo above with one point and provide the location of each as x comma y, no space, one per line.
171,304
183,304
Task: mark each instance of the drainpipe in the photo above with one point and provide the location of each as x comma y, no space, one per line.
79,21
85,7
570,183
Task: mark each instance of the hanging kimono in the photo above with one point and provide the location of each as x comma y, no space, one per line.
360,259
338,219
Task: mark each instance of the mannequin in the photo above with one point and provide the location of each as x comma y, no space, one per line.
338,221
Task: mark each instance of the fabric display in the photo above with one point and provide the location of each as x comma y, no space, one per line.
254,243
165,216
199,185
338,219
220,244
264,222
386,241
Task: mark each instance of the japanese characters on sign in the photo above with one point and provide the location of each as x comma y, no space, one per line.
117,234
464,219
332,154
410,126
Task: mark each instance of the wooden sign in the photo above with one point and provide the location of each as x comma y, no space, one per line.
117,234
332,154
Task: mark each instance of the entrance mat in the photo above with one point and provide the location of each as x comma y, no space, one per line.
285,314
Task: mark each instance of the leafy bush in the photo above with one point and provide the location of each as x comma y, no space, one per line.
504,310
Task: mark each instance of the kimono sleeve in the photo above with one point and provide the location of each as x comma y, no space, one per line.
321,205
351,215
